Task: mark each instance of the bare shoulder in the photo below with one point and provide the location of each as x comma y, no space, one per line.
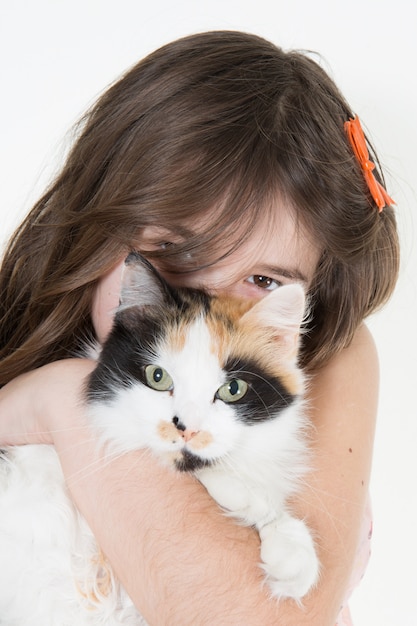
343,408
361,354
348,383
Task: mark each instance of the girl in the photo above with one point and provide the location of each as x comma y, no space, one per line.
235,166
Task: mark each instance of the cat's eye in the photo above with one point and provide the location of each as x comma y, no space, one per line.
157,378
232,391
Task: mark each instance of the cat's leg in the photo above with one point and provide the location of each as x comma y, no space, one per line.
287,548
240,499
228,491
288,557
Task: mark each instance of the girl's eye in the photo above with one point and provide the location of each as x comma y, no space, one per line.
232,391
264,282
157,378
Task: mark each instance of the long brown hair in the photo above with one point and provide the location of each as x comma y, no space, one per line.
219,119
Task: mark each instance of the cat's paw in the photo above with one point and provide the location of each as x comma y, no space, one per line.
289,558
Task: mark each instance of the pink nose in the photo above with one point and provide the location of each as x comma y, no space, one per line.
188,434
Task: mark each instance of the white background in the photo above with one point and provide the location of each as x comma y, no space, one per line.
57,56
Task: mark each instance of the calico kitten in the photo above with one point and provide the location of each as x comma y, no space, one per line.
210,385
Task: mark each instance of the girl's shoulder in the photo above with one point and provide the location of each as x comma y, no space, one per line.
343,394
356,365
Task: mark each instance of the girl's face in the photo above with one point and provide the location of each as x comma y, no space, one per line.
275,254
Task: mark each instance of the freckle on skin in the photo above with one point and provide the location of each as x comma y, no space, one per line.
350,449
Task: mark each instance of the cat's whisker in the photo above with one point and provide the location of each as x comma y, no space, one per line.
281,399
38,434
83,472
260,377
96,465
318,504
329,495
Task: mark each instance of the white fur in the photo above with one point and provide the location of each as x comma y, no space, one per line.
49,557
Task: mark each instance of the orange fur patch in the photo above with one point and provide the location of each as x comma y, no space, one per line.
249,341
101,587
201,440
167,431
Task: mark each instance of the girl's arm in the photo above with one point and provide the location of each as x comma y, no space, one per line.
179,558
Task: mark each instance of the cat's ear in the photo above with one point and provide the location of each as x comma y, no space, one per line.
141,284
280,313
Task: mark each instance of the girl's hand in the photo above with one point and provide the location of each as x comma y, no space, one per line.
40,403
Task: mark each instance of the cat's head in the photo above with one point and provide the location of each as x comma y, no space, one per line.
185,373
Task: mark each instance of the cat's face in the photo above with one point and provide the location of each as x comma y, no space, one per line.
186,375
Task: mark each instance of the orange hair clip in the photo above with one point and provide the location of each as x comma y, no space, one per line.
357,140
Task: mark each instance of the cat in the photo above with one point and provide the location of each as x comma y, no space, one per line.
211,386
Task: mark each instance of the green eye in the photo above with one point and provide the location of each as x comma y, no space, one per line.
232,391
158,378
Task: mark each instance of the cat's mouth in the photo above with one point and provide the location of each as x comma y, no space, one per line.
186,461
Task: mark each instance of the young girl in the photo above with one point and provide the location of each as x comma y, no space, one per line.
235,166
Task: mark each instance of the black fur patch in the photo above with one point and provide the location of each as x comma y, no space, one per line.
133,341
189,462
125,353
266,396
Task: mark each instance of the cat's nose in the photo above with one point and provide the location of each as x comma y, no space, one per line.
186,433
189,434
178,424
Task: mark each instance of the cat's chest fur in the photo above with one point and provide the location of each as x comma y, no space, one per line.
210,386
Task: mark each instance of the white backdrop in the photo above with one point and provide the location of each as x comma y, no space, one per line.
57,55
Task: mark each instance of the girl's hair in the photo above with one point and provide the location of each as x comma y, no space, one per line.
219,121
